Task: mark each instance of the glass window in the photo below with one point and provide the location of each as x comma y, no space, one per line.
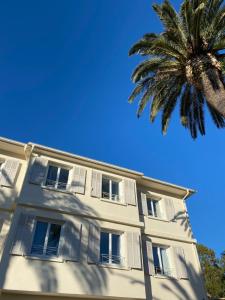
153,207
110,189
1,164
105,188
46,238
104,247
161,263
57,177
110,248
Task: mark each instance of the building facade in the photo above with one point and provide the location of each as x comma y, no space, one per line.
72,227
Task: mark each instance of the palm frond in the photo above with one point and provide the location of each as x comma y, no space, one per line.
144,44
189,45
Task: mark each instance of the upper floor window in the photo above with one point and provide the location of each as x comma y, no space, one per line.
110,189
110,248
153,207
161,262
57,177
46,238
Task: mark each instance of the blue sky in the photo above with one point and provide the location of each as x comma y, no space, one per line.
65,80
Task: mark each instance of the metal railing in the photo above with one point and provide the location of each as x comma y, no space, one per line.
114,197
167,272
40,250
57,184
112,259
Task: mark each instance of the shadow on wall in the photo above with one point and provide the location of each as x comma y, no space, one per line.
182,217
91,278
178,289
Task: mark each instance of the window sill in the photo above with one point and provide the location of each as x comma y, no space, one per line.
164,277
56,190
112,266
113,202
45,258
159,219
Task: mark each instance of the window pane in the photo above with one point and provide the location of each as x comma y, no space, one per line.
51,176
165,262
115,190
150,212
155,203
63,179
104,247
105,188
39,238
156,260
53,239
116,249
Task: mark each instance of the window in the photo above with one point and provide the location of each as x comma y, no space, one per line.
153,207
57,177
110,248
110,189
46,238
161,263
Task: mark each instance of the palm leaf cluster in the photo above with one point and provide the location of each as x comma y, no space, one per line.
170,73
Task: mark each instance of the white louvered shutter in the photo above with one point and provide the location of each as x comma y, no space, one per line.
24,234
9,172
158,209
70,241
134,250
78,180
144,204
170,213
130,193
94,244
180,262
38,170
150,261
96,184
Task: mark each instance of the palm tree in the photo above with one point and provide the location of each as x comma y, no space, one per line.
185,63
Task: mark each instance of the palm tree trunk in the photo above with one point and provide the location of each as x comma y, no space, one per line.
213,89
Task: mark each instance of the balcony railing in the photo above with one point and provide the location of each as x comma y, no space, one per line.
112,259
167,272
39,250
57,184
114,197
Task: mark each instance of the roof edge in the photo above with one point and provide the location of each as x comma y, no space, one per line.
138,175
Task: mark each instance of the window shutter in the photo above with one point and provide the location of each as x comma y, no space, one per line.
9,171
38,170
180,262
144,204
130,192
24,235
134,250
169,209
150,261
94,244
78,180
96,184
158,209
70,241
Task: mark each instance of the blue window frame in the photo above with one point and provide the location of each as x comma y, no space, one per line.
46,238
57,177
110,248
